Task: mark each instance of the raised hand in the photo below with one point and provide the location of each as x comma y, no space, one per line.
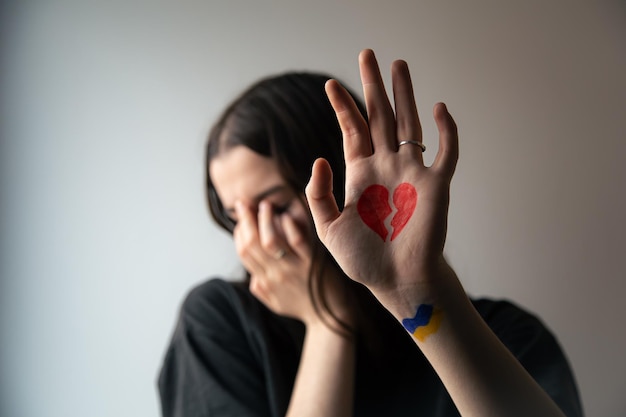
390,237
391,232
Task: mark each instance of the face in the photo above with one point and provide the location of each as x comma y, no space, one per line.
239,174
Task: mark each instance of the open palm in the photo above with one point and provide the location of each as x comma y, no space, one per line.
392,229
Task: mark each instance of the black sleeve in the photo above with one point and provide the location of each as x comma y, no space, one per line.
210,368
537,350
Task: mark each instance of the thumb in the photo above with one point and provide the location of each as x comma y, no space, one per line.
319,194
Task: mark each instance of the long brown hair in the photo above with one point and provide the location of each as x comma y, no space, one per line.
288,118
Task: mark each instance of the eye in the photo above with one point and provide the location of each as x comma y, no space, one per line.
280,209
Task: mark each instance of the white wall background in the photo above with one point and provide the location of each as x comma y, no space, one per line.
104,110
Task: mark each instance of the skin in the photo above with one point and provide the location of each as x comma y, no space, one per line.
480,374
272,218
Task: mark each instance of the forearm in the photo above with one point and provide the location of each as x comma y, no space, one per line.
482,377
325,382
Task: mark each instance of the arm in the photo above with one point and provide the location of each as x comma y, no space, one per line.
402,261
481,375
324,383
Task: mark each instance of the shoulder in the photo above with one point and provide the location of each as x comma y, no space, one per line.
536,348
214,302
497,309
207,295
225,310
503,315
519,329
213,364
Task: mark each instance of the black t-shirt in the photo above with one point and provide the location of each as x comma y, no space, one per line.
231,356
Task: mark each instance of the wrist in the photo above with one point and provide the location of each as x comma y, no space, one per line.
439,288
332,304
320,330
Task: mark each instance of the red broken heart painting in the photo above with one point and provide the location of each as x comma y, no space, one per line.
373,207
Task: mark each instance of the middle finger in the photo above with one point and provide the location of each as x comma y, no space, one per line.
382,123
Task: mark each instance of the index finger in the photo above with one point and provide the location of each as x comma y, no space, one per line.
356,135
247,222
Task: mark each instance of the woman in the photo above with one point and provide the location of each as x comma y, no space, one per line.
350,307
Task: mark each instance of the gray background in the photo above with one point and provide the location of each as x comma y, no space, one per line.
104,110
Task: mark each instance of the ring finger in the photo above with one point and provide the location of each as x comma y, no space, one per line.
409,129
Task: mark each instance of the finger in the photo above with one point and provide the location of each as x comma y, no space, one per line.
249,246
270,240
247,222
382,122
245,252
356,136
408,125
319,194
448,153
295,237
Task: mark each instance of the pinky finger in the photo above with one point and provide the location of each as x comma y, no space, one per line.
448,153
259,289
